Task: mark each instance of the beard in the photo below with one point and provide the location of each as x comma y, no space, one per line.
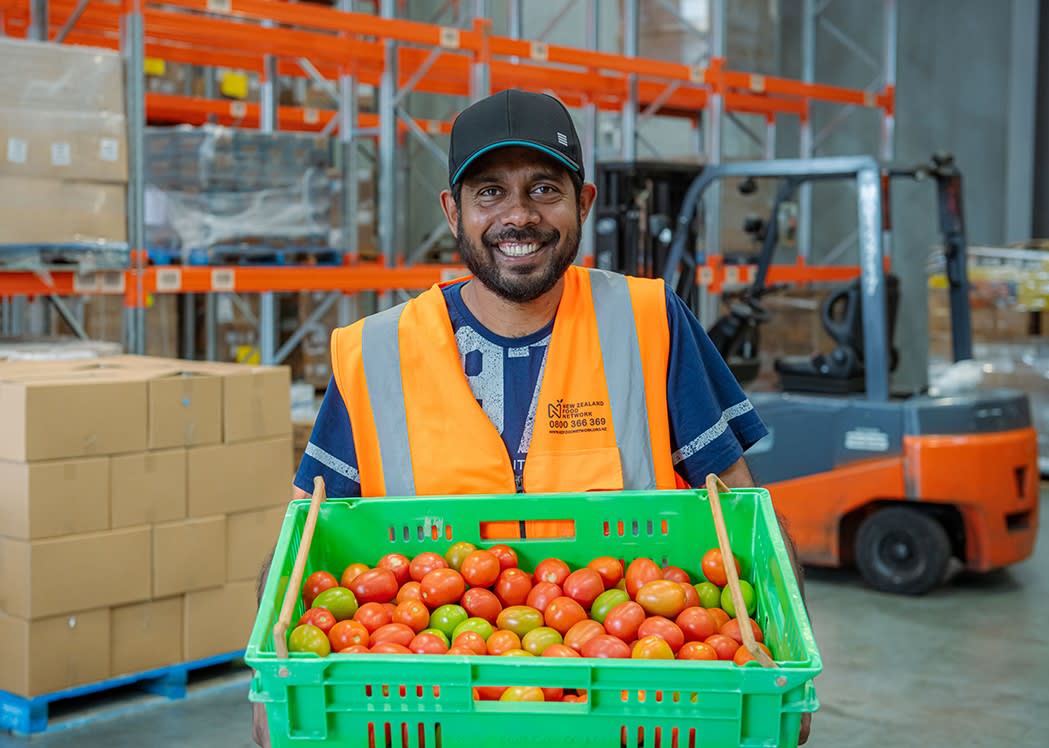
527,283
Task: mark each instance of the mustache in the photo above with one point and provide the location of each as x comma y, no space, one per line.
527,235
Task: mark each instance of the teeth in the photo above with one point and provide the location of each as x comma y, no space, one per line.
516,249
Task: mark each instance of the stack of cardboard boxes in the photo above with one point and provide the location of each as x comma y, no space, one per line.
138,499
63,146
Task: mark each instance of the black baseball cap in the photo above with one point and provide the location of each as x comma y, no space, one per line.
513,118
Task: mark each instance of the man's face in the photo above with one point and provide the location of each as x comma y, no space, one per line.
518,223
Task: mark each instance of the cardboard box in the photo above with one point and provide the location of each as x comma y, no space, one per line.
147,488
188,555
145,636
233,478
232,606
250,538
61,77
42,578
90,213
63,145
256,400
77,412
53,653
48,499
185,409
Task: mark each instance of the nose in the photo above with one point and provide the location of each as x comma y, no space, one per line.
520,210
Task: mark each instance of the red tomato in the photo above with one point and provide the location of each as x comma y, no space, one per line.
372,616
502,641
676,574
731,629
553,694
399,564
640,571
661,597
473,641
610,569
725,646
696,624
409,591
413,614
393,632
691,596
347,634
427,644
460,651
481,603
623,620
424,563
356,649
651,648
697,651
319,617
480,569
552,570
390,608
606,646
562,613
375,586
350,573
442,587
661,627
315,584
507,556
390,648
583,586
582,632
743,655
559,650
513,586
714,567
489,693
542,594
719,615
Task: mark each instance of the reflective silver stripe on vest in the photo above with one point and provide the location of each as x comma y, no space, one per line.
382,370
621,352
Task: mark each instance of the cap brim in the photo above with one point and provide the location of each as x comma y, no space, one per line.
505,143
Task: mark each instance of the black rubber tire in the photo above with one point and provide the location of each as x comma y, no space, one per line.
902,551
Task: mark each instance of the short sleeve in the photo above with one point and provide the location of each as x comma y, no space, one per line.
330,452
712,422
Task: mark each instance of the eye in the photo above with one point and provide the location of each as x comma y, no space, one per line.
488,192
545,189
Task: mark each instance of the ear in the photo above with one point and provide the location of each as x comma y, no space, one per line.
587,195
451,212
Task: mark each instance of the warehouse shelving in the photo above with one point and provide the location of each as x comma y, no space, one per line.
342,50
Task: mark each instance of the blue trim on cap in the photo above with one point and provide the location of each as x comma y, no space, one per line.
503,143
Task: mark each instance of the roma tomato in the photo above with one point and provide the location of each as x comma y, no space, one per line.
713,567
470,640
541,595
439,634
522,693
502,641
309,638
641,571
480,569
347,634
375,586
610,569
552,570
479,626
661,597
512,587
562,613
507,556
720,617
481,603
424,563
319,617
457,553
746,592
315,584
447,617
427,644
393,632
461,651
583,586
606,647
661,627
350,573
624,620
442,587
520,619
696,624
356,649
409,591
697,651
399,564
340,601
676,574
725,646
537,640
372,616
606,601
651,648
582,632
559,650
389,648
691,596
413,614
731,629
743,655
489,693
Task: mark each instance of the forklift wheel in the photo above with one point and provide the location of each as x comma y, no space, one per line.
902,551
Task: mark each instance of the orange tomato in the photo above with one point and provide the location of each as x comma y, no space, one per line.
651,648
697,651
375,586
399,564
389,648
624,619
409,591
676,574
696,624
347,634
372,616
581,632
541,595
481,603
720,616
442,587
512,587
552,570
607,647
714,567
393,632
412,613
424,563
725,646
480,569
691,596
743,655
507,556
471,640
350,573
427,644
322,618
610,569
663,628
562,613
583,586
640,571
731,628
559,650
356,649
502,641
315,584
661,597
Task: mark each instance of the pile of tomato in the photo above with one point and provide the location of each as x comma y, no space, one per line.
473,602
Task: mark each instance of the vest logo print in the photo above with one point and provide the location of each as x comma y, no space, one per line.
575,418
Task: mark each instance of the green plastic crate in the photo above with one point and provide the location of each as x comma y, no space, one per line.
393,700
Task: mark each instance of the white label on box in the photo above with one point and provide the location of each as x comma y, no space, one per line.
311,116
238,109
169,279
221,280
61,154
17,150
83,282
218,6
156,207
113,281
866,439
109,149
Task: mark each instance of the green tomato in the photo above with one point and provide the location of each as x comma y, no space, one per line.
477,625
439,634
605,602
340,601
709,594
447,617
309,638
459,551
748,598
520,619
537,640
517,653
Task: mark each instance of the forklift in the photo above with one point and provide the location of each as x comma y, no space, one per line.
895,484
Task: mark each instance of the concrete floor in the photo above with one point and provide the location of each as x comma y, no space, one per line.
965,666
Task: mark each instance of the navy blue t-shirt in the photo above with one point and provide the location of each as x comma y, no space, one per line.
712,423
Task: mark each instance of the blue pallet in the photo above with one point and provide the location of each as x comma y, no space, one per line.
26,716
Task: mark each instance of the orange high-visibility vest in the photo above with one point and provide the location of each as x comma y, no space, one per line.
600,423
